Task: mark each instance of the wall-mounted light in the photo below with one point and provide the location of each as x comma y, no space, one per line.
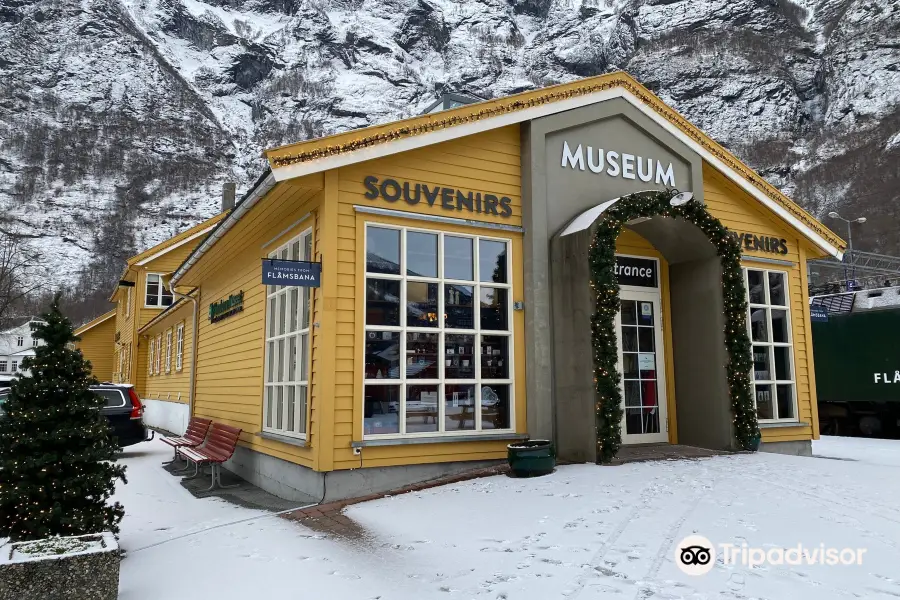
681,198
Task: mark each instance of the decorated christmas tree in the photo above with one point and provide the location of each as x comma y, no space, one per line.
57,455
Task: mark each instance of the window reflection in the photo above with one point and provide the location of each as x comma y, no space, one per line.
382,302
494,302
492,261
382,354
421,304
459,407
381,409
383,250
495,407
421,254
459,309
458,259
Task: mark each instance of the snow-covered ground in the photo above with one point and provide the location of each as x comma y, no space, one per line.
583,532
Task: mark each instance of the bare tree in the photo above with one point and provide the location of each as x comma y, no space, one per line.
18,279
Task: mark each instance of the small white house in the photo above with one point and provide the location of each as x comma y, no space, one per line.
16,343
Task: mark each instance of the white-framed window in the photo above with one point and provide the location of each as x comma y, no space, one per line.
20,340
121,364
127,301
179,347
3,365
158,353
15,366
287,347
771,336
150,352
158,295
168,351
438,349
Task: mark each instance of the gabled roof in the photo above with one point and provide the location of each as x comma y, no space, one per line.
97,321
175,241
314,156
304,158
16,322
167,246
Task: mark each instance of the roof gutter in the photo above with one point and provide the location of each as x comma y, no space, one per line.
256,193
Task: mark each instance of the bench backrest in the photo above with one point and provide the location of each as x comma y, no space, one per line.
196,429
222,440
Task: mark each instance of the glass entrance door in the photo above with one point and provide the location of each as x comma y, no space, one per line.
642,366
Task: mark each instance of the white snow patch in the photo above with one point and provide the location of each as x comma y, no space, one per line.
584,531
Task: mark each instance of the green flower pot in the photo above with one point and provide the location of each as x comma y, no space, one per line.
531,458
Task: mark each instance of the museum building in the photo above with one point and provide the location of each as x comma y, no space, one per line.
396,303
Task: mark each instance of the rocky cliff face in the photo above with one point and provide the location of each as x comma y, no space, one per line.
120,119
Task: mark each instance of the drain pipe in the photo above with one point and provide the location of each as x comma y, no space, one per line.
193,377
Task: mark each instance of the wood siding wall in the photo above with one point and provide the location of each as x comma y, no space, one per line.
173,386
95,345
741,213
229,379
487,163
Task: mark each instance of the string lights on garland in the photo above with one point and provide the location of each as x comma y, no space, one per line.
608,407
526,100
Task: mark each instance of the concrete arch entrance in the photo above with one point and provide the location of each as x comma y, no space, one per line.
690,279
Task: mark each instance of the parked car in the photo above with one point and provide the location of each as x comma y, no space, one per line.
122,408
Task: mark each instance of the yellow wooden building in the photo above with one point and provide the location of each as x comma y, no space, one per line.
142,294
97,337
452,314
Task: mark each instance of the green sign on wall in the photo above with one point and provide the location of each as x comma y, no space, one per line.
223,309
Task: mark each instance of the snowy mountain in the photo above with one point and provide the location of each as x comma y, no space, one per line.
121,119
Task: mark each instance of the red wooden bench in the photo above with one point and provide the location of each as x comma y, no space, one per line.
194,436
219,447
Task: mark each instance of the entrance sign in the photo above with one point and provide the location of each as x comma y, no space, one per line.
299,273
641,272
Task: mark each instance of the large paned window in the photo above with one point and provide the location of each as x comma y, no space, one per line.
774,382
179,347
3,365
150,351
438,341
287,347
158,295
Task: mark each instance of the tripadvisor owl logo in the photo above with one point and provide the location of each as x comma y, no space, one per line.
695,555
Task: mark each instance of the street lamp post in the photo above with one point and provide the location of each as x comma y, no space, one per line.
834,215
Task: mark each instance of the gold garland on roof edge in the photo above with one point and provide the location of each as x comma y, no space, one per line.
516,105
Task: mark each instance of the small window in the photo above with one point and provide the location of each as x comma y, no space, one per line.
169,351
3,365
15,366
158,295
127,302
20,340
150,350
158,352
179,347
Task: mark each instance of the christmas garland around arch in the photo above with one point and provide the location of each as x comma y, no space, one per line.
606,292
